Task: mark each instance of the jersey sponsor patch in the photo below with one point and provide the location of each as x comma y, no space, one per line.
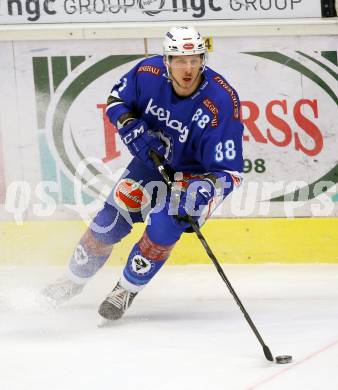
231,92
164,115
149,69
213,109
131,196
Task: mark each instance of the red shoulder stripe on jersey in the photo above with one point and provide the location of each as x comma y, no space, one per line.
231,92
149,69
213,109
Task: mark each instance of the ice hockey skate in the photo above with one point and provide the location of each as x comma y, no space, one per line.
59,292
115,305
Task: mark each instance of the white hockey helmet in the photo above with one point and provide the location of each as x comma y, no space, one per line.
183,41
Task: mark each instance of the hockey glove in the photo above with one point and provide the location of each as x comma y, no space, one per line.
196,197
140,140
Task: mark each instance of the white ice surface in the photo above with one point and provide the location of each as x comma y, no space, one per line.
183,331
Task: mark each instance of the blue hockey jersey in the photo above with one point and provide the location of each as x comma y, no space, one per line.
202,132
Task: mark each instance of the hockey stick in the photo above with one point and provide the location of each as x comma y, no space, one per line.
220,271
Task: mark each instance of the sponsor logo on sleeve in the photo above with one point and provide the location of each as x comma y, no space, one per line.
213,109
149,69
232,94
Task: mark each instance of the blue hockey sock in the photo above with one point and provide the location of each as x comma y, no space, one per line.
144,261
88,257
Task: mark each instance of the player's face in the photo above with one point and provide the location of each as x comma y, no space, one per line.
185,72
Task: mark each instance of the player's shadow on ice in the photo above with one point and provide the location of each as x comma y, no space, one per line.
181,315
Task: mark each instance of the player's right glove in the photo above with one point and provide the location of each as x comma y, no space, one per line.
140,140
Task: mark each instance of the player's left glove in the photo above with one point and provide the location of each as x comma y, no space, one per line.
197,196
140,140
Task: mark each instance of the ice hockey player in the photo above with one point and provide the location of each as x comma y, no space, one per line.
189,115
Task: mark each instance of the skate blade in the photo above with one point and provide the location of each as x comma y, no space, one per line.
44,302
103,322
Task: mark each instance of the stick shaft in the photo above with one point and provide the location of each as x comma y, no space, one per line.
210,253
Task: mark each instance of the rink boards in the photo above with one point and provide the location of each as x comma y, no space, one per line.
53,95
236,241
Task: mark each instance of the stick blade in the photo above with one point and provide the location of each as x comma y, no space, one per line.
267,353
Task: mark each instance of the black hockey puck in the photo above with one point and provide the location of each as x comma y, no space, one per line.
283,359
